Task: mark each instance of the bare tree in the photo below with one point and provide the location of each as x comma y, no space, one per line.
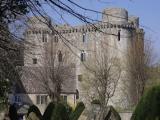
54,69
101,78
10,58
139,61
59,68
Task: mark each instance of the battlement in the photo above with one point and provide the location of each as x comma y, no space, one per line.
111,18
82,29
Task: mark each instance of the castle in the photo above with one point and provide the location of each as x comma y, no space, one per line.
117,30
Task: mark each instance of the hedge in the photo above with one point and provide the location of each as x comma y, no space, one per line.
77,112
48,112
59,112
13,113
149,106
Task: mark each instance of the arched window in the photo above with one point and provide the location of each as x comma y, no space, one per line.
83,56
119,35
44,37
77,94
56,39
84,37
34,60
60,56
80,78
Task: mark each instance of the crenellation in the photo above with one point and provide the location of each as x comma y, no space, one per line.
96,27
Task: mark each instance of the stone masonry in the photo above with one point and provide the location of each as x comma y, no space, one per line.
85,39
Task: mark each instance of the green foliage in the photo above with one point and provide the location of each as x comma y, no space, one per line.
13,113
56,111
3,107
14,8
48,112
35,110
68,108
149,106
77,112
154,77
60,112
4,89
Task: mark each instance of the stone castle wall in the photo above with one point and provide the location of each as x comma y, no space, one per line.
113,20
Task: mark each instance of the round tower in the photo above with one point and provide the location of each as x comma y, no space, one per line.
121,31
115,15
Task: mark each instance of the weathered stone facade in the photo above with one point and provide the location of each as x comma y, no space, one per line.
85,39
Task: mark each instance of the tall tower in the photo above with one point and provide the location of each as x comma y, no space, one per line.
124,30
37,34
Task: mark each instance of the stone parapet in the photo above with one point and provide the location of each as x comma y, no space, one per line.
89,28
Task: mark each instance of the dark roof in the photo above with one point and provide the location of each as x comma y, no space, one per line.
34,80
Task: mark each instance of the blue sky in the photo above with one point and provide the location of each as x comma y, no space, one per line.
147,10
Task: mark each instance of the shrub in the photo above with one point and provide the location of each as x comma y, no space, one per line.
77,112
60,112
35,110
3,107
68,108
48,112
149,106
13,113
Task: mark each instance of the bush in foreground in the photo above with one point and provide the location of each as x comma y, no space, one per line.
13,112
48,112
149,106
77,112
56,111
60,112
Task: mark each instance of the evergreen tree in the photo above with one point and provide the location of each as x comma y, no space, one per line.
149,106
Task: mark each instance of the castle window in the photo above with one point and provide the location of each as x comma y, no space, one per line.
56,39
29,32
84,37
34,60
17,99
38,99
41,99
64,98
33,32
60,56
83,56
77,94
119,35
89,29
80,78
44,37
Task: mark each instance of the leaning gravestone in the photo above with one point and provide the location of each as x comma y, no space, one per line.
112,114
32,116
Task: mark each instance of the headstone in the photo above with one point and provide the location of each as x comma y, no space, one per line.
112,114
